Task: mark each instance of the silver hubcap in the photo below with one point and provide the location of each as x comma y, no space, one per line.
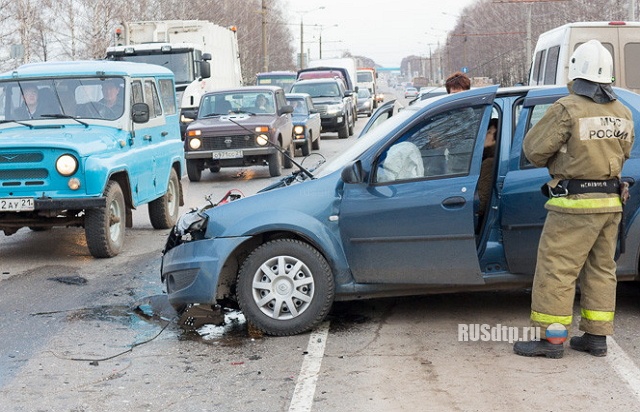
283,287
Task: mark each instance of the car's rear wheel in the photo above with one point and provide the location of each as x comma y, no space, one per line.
274,164
163,212
194,170
285,287
104,227
214,168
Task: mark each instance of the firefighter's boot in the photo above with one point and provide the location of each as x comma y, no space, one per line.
596,345
539,348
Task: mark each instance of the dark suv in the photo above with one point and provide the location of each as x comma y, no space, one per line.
333,102
228,123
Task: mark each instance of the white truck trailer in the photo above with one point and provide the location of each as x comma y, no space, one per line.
202,55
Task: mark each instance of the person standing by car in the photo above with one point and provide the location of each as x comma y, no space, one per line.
457,82
583,139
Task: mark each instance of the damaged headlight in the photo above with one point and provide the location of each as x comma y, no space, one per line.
190,226
193,224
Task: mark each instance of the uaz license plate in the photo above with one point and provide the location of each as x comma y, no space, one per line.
18,204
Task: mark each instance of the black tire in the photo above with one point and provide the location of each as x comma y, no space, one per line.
104,228
288,160
274,164
315,144
39,228
194,170
352,124
306,148
214,169
163,212
297,307
343,133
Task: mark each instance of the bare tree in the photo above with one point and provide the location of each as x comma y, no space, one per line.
490,37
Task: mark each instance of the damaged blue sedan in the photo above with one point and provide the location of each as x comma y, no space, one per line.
400,212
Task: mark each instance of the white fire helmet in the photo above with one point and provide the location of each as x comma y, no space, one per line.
591,61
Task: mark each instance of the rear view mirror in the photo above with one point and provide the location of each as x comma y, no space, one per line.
140,113
352,173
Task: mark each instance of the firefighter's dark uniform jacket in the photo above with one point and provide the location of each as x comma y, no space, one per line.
578,138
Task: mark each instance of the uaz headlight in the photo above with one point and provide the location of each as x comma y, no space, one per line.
66,165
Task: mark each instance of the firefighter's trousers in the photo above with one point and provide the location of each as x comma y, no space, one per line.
576,246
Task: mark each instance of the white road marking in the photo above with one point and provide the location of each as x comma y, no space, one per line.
302,400
624,366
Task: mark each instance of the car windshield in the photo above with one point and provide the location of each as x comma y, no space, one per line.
256,102
365,141
78,98
363,93
329,89
299,106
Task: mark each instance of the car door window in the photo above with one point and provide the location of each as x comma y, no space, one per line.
536,114
441,146
152,98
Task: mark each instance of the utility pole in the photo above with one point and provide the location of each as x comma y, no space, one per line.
265,57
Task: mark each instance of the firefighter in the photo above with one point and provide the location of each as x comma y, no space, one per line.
583,139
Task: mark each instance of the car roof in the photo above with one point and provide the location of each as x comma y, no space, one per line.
59,69
320,80
245,89
297,95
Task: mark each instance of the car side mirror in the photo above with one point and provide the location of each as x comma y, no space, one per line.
140,113
352,173
190,114
348,93
286,109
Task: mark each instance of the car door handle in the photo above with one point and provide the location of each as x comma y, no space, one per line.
163,134
147,137
454,201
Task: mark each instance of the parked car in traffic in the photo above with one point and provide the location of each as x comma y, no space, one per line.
228,123
102,138
365,102
306,122
410,92
428,92
333,101
382,114
395,214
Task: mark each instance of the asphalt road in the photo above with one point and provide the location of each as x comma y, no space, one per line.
84,334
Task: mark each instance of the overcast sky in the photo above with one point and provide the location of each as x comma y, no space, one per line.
383,30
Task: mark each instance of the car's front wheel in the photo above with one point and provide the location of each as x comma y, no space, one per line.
291,151
306,147
274,161
343,133
285,287
194,170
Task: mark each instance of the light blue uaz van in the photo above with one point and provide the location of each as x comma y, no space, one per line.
84,143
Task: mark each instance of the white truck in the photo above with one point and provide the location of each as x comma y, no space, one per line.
202,55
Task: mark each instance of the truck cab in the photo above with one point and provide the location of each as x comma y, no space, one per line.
85,143
203,56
